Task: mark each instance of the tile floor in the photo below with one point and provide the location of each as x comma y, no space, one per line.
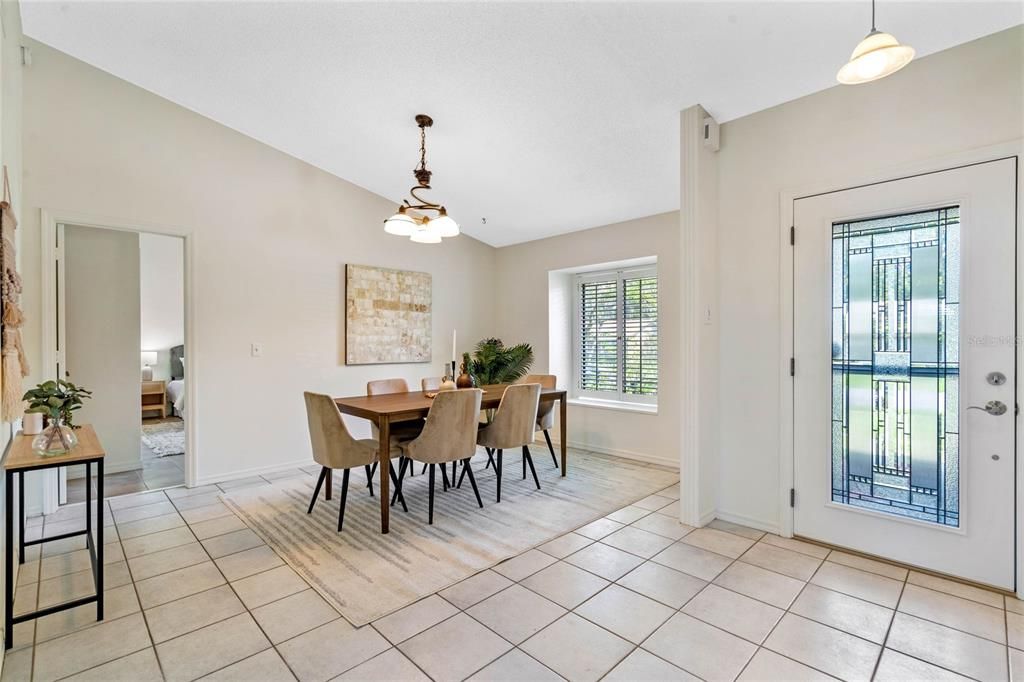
192,593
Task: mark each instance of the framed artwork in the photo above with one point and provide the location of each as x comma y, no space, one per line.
387,315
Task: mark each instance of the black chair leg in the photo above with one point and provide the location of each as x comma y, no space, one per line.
497,469
344,498
403,464
369,478
430,513
444,477
465,468
398,488
529,460
422,471
472,481
316,493
551,448
524,464
490,458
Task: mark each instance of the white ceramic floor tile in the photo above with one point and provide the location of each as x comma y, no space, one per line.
230,543
141,666
516,613
598,529
1014,605
628,614
695,561
628,514
524,565
564,584
414,619
663,584
514,667
248,562
605,561
156,542
165,561
843,612
90,647
653,502
577,649
636,541
155,524
742,616
955,588
1015,629
390,666
642,666
475,589
737,529
286,618
816,551
767,665
897,667
455,648
700,649
719,542
954,650
869,565
266,666
785,561
856,583
659,524
191,613
217,526
177,584
1016,665
211,648
263,588
331,649
824,648
955,612
565,545
767,586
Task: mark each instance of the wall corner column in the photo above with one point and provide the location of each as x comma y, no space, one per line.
698,301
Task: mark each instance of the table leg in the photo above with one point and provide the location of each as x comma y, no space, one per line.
99,540
21,517
9,561
562,435
384,427
88,501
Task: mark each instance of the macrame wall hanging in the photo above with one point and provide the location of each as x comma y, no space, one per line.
15,365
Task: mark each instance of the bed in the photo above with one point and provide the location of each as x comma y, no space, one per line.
176,386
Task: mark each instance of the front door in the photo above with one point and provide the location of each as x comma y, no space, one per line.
905,345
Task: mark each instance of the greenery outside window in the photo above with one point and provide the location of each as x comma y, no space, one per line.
615,336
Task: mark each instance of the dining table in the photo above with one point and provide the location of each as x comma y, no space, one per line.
388,409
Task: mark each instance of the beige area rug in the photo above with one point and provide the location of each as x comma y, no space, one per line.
366,575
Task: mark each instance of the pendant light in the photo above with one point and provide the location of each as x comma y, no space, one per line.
422,230
877,56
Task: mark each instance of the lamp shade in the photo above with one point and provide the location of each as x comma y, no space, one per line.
149,357
444,226
400,224
877,56
425,234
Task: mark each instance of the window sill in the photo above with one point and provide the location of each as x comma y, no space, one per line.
615,405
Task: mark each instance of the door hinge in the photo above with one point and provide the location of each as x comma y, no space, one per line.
792,497
792,367
792,235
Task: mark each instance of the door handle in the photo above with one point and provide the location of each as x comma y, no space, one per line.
993,407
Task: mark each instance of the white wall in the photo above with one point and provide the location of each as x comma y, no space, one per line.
963,98
102,336
529,304
162,297
270,236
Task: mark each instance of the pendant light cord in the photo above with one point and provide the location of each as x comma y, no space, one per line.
873,16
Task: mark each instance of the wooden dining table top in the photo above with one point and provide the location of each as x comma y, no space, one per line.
416,404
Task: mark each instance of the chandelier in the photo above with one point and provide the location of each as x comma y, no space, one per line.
422,229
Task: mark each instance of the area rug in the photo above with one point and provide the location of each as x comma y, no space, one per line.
165,438
366,575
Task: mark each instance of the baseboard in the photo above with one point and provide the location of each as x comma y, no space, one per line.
707,517
255,471
747,521
107,469
615,452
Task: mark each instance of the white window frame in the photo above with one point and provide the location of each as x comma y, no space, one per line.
609,398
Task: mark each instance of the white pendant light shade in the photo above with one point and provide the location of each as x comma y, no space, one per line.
877,56
444,226
400,224
425,234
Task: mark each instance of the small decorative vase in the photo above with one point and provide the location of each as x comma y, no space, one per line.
447,385
32,423
55,439
465,379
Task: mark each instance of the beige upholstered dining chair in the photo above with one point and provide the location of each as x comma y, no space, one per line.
449,435
513,427
431,383
546,411
402,430
335,448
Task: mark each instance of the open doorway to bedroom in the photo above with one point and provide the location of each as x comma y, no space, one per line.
120,323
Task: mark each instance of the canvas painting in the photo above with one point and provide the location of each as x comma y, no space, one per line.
387,315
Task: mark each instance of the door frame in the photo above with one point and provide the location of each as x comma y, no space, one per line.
787,198
49,220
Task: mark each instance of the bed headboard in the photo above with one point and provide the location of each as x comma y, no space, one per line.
177,366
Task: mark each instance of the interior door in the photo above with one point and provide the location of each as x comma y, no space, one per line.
905,346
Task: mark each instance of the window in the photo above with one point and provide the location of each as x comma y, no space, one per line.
616,336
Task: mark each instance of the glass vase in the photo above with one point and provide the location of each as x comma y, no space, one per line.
56,439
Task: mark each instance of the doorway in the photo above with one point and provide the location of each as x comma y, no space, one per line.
904,338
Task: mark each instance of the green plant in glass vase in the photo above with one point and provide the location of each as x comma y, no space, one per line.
57,401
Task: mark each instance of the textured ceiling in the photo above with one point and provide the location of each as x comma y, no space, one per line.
549,117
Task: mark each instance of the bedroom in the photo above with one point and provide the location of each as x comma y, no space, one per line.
125,343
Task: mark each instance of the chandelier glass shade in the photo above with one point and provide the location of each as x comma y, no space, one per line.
422,228
878,55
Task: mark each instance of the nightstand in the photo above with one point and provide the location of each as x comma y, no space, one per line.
154,397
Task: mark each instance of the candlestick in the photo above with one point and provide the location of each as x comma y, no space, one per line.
453,348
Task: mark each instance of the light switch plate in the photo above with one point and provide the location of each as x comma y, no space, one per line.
257,350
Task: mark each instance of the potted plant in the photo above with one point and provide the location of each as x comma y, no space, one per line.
56,401
495,363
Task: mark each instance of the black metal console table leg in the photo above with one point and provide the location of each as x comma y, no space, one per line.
98,568
9,561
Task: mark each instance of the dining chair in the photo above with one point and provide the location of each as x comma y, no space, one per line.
335,448
449,435
431,383
546,411
399,431
513,427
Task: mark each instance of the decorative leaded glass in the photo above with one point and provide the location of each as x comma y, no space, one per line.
895,364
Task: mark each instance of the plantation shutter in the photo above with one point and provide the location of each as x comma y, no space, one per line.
599,335
640,335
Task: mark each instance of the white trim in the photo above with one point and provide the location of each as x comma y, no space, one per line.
49,219
748,521
669,462
618,406
786,198
255,471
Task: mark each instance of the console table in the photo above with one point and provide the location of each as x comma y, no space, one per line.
19,459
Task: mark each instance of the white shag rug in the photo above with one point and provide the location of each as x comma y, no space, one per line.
165,438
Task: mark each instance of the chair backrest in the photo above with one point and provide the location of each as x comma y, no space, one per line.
546,411
514,422
449,433
331,441
431,383
383,386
